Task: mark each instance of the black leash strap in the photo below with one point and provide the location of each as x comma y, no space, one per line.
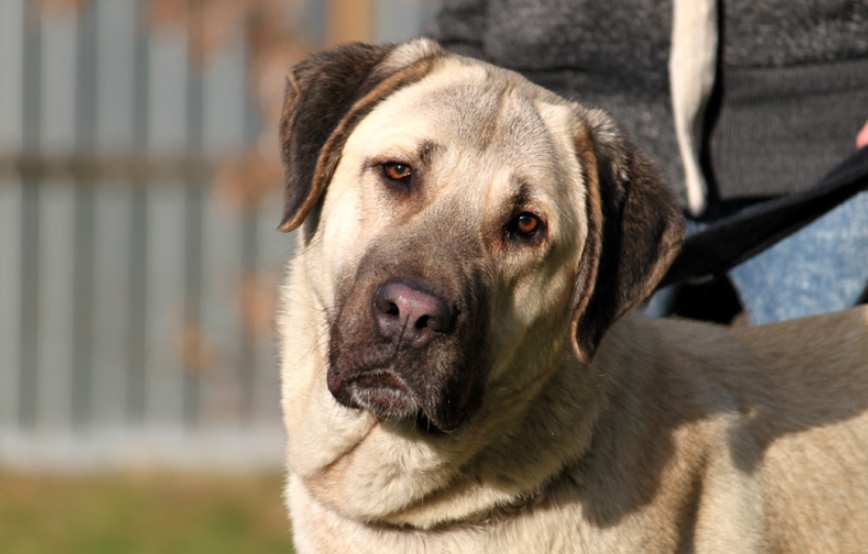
723,245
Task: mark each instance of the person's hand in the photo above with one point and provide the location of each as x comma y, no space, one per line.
862,137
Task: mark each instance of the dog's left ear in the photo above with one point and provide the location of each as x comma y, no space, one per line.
634,231
326,96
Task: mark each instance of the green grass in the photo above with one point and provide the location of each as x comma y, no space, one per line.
142,514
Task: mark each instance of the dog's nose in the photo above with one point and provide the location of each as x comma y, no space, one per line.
409,314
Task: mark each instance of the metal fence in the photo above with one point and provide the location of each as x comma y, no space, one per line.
126,281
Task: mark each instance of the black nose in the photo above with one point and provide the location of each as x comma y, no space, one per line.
406,313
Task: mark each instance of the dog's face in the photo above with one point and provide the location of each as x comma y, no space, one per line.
462,226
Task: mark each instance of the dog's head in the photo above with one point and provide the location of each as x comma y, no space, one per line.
460,224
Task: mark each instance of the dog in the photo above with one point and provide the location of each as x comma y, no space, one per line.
463,365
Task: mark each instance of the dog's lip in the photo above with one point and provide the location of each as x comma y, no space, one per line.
376,380
381,392
369,377
385,394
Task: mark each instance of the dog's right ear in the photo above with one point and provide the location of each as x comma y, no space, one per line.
326,96
634,231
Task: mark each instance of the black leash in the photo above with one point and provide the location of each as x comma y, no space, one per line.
725,244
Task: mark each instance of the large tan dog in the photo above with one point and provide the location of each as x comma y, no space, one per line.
462,371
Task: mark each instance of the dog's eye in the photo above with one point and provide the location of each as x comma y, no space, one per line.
397,171
526,225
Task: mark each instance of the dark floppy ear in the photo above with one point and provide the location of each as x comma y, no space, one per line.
326,95
634,231
319,93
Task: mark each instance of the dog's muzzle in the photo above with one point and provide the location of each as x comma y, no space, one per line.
401,350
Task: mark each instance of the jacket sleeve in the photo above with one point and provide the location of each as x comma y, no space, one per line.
460,26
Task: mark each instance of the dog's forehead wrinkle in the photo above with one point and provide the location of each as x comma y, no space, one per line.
428,149
469,110
479,102
520,130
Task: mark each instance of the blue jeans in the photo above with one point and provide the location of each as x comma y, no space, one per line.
822,268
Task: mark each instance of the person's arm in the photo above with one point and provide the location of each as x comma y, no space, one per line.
460,26
862,137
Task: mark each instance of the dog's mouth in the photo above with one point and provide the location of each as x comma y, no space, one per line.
381,392
387,396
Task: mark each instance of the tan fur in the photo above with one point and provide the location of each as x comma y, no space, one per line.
676,437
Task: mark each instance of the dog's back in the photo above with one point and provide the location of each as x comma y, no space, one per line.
775,418
807,411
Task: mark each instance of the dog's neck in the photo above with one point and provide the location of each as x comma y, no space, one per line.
352,463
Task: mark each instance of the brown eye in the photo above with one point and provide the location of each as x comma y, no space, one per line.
397,171
527,224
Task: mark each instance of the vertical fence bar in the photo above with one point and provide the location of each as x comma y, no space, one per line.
10,304
31,115
57,204
11,198
137,336
193,347
167,136
274,249
249,362
223,133
83,275
116,35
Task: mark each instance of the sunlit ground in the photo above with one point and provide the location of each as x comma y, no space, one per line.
132,514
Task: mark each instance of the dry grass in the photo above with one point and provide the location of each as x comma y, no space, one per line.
133,514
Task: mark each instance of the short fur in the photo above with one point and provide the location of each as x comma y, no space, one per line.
547,416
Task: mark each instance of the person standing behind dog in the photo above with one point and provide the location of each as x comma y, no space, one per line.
768,95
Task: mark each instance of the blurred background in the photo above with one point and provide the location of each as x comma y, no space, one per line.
139,195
